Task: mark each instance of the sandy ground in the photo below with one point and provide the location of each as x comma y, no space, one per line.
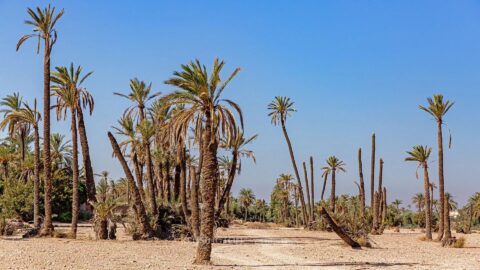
242,248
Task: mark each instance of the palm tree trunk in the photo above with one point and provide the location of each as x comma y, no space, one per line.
332,194
142,217
428,209
441,181
325,178
309,205
208,183
446,216
372,175
362,184
228,186
295,169
87,163
380,189
194,204
151,183
312,209
138,176
36,181
347,239
166,182
47,224
183,186
75,198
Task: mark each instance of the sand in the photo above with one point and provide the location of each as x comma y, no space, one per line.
243,248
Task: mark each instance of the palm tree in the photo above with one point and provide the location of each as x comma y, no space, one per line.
43,22
396,203
333,164
147,130
237,146
207,112
139,95
421,154
437,108
12,104
419,201
246,198
70,94
31,117
281,108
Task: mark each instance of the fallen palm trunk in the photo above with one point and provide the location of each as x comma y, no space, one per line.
339,231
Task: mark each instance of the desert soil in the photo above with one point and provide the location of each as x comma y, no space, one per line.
243,247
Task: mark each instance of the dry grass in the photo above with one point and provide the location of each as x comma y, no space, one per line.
460,243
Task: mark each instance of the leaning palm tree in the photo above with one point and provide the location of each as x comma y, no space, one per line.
281,108
438,107
421,154
246,198
238,149
43,22
69,93
333,164
31,117
207,112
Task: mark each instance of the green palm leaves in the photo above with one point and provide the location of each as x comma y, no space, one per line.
140,94
333,163
43,22
437,107
280,108
419,153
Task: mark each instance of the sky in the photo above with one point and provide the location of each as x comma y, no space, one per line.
351,67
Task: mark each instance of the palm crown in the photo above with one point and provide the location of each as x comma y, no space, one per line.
280,108
437,107
420,154
333,163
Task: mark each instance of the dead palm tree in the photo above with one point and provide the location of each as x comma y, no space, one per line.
211,119
333,164
69,93
421,154
30,116
43,22
281,108
437,108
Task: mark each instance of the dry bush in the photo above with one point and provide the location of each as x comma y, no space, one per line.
422,238
460,243
58,234
363,241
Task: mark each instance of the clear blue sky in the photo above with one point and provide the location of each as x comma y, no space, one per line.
352,68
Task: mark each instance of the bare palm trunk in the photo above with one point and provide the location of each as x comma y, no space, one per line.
142,217
325,178
428,209
441,182
194,204
75,199
372,175
36,181
446,216
183,187
47,224
295,169
362,184
339,231
208,183
87,163
332,193
229,184
309,205
312,209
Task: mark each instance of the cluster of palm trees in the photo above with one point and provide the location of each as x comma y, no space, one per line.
173,141
437,108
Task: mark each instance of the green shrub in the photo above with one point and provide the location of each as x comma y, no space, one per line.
17,199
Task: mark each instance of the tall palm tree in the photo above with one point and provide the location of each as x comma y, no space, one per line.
238,149
69,93
333,164
31,117
147,130
207,112
43,22
246,198
281,108
140,94
438,107
421,154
